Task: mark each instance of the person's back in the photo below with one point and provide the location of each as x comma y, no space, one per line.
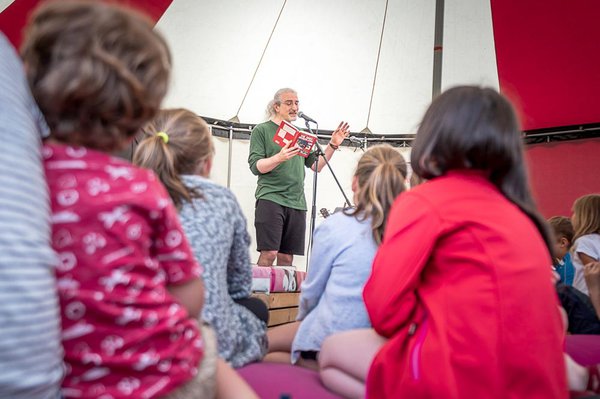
476,293
586,241
113,278
216,228
461,288
126,278
331,300
30,351
178,147
589,245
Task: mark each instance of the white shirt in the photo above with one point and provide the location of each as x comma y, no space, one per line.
589,245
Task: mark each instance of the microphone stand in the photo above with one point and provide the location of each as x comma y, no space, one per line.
313,213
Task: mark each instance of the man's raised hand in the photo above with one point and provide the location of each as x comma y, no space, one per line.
339,134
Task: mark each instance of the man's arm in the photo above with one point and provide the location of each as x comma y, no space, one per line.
266,165
337,137
257,158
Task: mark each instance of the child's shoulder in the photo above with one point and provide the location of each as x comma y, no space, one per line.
342,222
588,239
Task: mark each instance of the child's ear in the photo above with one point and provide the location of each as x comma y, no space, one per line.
354,183
564,242
207,166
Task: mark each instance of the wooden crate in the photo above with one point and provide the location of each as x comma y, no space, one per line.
282,316
283,306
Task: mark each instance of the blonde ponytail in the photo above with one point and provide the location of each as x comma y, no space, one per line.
381,174
188,146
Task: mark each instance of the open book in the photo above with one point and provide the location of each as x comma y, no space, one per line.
288,133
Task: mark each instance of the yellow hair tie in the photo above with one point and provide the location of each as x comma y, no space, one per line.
163,136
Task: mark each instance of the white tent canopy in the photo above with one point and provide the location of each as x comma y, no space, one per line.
367,62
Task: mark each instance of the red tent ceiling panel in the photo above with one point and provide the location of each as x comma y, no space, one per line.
563,171
14,17
548,57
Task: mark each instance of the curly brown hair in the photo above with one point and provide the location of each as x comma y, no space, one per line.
98,71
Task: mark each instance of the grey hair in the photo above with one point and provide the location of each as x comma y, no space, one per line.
277,100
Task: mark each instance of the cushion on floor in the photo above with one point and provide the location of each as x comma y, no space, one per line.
584,349
271,380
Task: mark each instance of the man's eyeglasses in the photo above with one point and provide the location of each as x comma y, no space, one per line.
289,103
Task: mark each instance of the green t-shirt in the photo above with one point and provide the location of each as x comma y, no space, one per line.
283,185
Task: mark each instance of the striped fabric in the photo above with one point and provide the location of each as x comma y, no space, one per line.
30,352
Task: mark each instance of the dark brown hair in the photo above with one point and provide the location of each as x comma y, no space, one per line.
97,71
189,145
381,173
470,127
562,227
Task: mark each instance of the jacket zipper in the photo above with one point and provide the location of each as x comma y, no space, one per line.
415,356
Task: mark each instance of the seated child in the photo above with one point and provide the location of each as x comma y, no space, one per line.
563,233
128,282
580,311
344,247
179,148
586,242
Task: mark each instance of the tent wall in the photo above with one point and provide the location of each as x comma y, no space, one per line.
469,54
547,54
561,172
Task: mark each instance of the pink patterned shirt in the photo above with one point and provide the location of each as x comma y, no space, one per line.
120,244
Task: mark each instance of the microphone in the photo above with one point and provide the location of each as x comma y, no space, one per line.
306,117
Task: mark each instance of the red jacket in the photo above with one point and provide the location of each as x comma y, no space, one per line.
461,287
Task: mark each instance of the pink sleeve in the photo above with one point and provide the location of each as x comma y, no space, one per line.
172,248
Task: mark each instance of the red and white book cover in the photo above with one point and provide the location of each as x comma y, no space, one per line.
288,133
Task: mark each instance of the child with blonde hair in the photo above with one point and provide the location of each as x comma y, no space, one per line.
586,242
344,247
128,282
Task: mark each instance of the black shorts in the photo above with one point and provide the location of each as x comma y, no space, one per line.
279,228
309,355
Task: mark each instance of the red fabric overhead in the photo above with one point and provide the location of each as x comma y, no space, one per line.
14,17
562,172
547,56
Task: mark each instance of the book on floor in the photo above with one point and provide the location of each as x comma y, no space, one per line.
288,133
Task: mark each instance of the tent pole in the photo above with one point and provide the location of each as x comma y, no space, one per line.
229,156
438,43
